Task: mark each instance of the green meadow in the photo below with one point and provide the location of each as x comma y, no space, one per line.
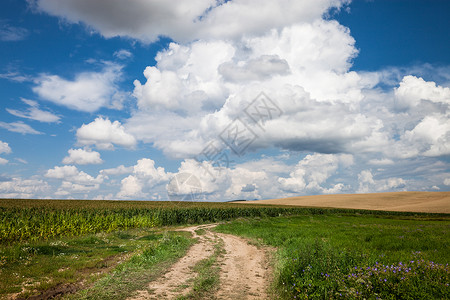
354,256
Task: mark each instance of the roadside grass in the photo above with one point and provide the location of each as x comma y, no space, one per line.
67,264
140,269
340,256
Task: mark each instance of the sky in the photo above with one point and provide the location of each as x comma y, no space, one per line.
222,100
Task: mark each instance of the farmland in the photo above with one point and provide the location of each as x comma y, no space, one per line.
113,248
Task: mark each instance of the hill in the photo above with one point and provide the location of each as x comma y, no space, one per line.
430,202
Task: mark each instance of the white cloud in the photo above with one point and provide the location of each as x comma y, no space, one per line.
34,113
82,157
23,188
312,172
104,134
145,176
72,174
413,90
431,137
183,80
4,147
73,180
21,160
131,187
447,181
89,91
10,33
187,101
16,76
122,54
146,20
19,127
117,170
367,184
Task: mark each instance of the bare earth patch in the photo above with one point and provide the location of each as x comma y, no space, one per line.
244,271
244,268
428,202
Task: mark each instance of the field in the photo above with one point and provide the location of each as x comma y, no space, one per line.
431,202
112,249
344,256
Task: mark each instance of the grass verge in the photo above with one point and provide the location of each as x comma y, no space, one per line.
65,265
355,257
141,268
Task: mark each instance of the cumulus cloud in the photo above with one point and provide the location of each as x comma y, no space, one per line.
71,173
183,80
34,113
82,157
104,134
74,180
182,21
431,137
17,187
144,177
313,171
19,127
88,91
367,184
413,90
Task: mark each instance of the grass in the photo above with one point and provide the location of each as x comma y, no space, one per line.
208,275
341,256
143,267
32,268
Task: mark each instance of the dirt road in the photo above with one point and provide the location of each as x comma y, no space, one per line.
244,269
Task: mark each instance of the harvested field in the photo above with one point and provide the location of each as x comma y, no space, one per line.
429,202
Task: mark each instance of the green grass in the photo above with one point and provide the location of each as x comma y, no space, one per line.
34,267
344,256
138,271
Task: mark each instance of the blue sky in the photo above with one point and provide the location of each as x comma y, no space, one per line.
115,99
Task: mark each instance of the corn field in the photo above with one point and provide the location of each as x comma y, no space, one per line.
22,220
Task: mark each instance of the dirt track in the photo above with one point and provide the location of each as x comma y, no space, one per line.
244,269
431,202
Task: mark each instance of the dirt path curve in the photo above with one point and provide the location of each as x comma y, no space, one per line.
244,269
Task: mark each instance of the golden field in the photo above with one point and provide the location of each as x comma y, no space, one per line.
429,202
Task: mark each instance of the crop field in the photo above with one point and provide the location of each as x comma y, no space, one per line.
109,249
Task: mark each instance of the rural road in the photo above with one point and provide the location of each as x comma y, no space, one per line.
244,269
